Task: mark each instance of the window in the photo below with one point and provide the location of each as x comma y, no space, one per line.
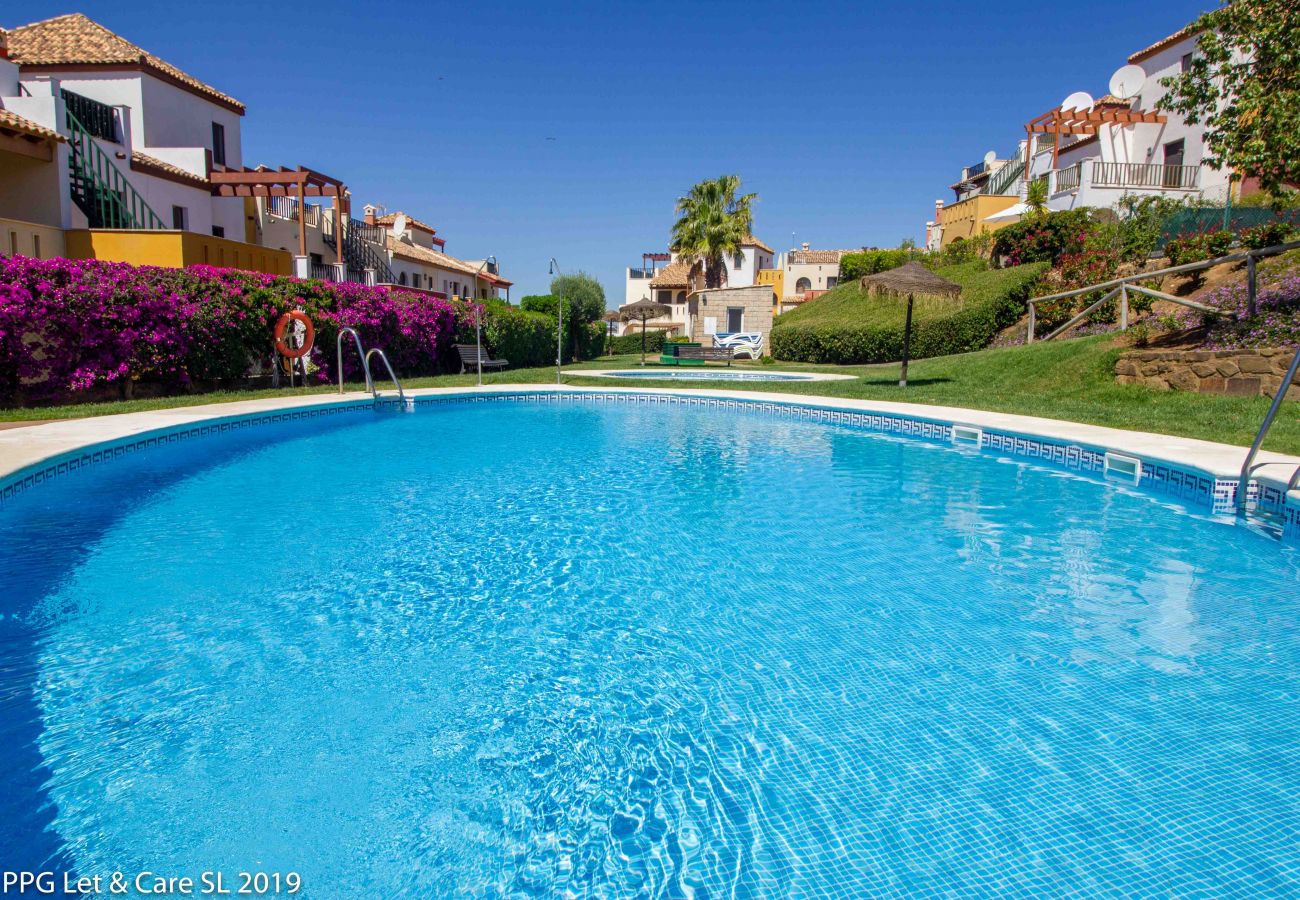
36,246
802,285
219,143
1185,63
665,297
735,319
738,262
218,231
401,278
180,218
831,281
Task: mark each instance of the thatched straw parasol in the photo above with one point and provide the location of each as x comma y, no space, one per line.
910,279
610,317
642,311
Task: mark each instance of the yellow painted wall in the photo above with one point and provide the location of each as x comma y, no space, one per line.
176,249
774,277
966,219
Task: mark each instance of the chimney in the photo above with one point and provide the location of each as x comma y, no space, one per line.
805,245
370,213
938,210
4,44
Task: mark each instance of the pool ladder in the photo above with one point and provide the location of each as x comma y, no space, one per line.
1249,467
407,403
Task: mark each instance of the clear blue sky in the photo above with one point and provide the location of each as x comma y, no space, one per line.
848,120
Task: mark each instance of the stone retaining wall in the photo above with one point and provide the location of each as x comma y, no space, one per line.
1243,373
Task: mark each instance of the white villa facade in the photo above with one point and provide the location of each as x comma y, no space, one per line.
1092,156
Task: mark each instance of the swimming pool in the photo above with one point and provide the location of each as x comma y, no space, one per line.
700,374
626,648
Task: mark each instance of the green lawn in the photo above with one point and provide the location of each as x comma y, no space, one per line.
1071,380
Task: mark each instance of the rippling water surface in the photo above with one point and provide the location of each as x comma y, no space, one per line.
513,649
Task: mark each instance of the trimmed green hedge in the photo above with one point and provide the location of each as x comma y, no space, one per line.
631,342
854,265
849,326
522,338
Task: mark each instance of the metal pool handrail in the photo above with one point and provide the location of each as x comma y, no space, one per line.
391,374
360,352
1246,468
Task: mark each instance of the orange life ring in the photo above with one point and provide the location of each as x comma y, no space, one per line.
282,326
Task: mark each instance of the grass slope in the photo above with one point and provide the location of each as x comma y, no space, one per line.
849,325
1071,380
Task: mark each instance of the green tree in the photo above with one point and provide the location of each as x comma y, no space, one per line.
712,224
1243,83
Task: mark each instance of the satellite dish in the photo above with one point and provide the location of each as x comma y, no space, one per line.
990,158
399,227
1127,81
1077,100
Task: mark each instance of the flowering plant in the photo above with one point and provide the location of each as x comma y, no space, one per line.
69,325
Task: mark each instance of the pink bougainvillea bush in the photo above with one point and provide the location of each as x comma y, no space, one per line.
67,326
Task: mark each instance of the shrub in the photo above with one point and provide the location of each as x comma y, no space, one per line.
67,326
631,341
851,326
1198,246
1044,238
868,262
521,337
1267,235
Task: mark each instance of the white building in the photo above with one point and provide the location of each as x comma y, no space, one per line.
416,260
123,112
807,273
1095,155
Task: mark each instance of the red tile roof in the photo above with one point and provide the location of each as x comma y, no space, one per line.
11,121
74,40
1148,52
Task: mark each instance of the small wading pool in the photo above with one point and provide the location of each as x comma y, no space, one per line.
641,645
694,374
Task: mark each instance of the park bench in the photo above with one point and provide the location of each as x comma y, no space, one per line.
471,358
705,354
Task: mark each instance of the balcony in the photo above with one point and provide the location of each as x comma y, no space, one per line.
1140,175
1068,179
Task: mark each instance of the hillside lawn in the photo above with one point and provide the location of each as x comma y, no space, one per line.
850,325
1071,380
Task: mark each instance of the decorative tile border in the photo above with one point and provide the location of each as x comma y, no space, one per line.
30,477
1186,484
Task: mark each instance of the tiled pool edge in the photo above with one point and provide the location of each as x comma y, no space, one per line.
1183,481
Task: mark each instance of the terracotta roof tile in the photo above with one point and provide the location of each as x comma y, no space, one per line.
142,161
390,218
820,257
752,241
673,275
1148,52
74,40
11,121
427,256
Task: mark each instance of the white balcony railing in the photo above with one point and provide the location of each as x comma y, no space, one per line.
1143,175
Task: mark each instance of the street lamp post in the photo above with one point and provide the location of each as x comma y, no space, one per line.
559,324
478,314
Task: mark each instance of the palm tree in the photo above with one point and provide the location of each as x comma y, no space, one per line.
712,224
1036,198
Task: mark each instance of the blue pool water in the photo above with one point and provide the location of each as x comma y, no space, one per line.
514,649
691,374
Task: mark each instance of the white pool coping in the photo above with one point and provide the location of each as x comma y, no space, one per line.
696,373
23,448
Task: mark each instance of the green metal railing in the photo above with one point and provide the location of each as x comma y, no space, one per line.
1001,181
99,188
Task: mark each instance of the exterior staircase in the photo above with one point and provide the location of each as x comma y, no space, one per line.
1005,181
363,248
98,187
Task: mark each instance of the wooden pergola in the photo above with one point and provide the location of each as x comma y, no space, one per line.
1083,121
300,183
